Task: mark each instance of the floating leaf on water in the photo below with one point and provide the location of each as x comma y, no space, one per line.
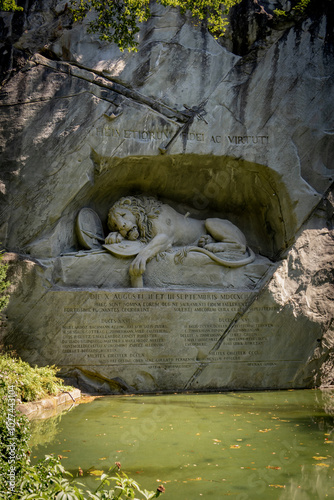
277,485
103,458
265,430
273,467
320,458
66,451
95,472
321,465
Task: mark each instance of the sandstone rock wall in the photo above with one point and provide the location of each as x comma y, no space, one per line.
240,129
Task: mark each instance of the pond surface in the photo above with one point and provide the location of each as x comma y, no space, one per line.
261,445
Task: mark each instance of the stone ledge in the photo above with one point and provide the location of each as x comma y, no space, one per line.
49,403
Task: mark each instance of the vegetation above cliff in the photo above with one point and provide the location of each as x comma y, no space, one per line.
9,5
118,20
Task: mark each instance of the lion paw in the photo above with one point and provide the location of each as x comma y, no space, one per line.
214,247
204,240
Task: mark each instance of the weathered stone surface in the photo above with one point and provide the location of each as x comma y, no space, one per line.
37,409
240,130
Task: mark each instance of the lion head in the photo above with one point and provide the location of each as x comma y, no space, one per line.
144,208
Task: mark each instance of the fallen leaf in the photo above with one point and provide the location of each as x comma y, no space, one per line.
273,467
235,446
217,440
95,472
264,430
320,458
321,465
66,451
103,458
277,485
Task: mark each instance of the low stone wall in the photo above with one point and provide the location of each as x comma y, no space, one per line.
33,408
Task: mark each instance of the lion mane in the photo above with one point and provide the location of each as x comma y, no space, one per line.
145,208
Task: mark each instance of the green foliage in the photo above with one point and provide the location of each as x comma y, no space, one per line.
117,20
299,8
30,383
4,284
9,5
49,480
14,439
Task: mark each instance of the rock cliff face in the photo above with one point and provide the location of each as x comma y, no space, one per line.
240,129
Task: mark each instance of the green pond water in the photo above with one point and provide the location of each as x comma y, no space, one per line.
260,445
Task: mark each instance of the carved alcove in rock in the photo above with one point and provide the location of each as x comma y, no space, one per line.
249,195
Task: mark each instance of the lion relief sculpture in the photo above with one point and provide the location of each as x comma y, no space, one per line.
160,227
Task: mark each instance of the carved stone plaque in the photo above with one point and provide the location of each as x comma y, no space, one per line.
148,340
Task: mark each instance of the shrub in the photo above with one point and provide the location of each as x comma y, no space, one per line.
31,383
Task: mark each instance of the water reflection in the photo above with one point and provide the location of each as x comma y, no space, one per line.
271,445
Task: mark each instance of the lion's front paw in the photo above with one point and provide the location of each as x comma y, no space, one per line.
114,237
138,266
204,240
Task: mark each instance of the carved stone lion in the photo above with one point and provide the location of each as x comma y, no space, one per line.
158,225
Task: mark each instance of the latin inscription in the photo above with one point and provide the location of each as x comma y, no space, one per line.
162,329
166,135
